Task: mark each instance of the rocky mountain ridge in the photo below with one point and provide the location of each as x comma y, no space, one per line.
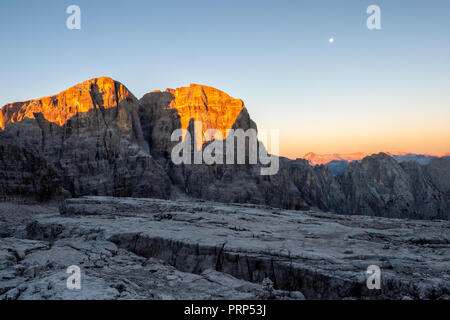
98,139
91,137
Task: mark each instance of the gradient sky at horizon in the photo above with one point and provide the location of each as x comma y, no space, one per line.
369,91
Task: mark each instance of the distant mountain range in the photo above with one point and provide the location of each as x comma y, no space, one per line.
337,163
316,159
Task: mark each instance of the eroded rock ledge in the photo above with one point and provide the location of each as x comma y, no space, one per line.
324,256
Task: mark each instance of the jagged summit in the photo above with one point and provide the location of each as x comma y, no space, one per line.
102,92
315,158
213,107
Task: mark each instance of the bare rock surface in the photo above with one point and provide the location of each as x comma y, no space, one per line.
439,171
86,140
34,261
205,250
379,185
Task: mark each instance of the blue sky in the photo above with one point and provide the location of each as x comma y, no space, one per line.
383,90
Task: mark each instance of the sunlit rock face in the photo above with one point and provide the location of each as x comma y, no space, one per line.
163,112
316,159
103,93
214,108
91,134
27,174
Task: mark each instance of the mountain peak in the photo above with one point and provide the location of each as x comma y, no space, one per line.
102,92
213,107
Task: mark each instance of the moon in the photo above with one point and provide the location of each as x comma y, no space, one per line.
331,40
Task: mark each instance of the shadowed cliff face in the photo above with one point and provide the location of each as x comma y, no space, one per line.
439,171
27,174
163,112
91,134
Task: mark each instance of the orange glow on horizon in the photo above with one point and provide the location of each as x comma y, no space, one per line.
427,134
359,148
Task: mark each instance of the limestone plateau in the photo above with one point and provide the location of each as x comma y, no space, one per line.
97,139
130,248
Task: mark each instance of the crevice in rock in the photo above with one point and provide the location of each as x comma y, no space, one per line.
286,275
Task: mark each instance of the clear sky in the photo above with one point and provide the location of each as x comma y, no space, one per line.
368,91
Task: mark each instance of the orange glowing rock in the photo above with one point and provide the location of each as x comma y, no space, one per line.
101,92
214,108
